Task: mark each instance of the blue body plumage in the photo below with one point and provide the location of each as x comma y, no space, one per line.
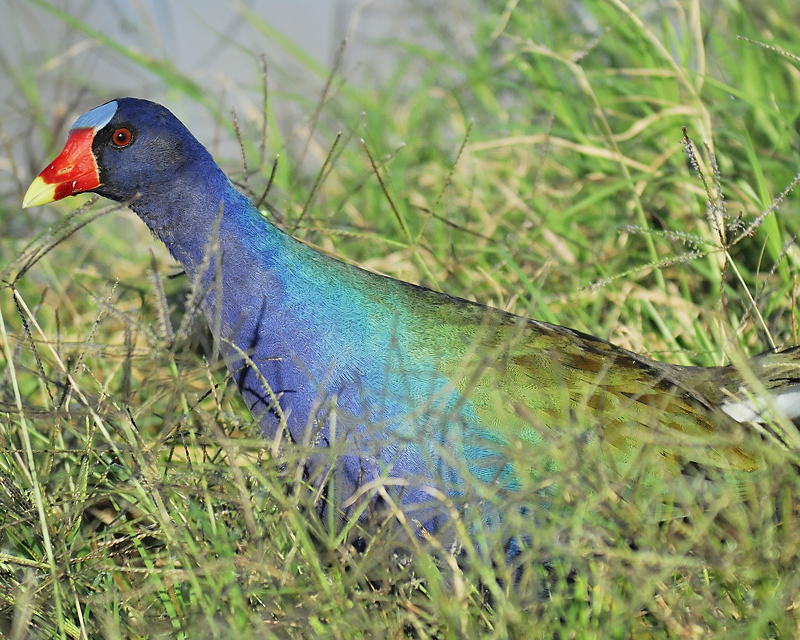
413,388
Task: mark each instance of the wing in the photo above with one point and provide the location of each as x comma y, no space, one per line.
521,380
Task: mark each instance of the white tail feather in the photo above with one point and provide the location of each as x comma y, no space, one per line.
786,402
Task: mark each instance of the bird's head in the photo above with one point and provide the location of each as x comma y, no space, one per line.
121,149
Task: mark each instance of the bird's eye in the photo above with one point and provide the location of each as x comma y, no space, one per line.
122,137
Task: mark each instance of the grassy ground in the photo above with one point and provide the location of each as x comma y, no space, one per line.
540,168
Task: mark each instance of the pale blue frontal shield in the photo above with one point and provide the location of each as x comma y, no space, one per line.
97,118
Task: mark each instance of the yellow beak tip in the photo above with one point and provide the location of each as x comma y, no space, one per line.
39,193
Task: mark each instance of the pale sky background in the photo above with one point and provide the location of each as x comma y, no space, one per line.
214,42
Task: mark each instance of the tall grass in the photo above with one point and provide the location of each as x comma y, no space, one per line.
540,167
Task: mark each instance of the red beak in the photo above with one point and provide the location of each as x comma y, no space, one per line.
73,171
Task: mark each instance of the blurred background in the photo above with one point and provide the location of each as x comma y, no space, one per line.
61,58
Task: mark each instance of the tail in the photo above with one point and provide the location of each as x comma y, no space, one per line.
777,373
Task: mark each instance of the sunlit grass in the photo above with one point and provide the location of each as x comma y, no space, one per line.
542,169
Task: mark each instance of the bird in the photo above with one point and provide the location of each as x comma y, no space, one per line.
417,393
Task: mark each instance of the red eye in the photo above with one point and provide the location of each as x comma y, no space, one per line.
122,137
